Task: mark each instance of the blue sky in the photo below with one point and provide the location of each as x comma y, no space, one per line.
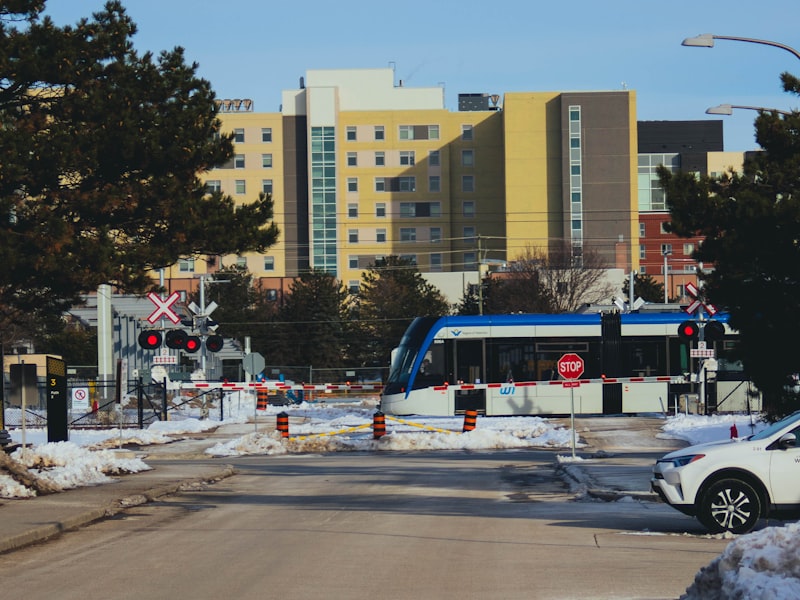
255,48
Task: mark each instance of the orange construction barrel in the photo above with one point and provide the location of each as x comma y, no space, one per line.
283,424
263,399
378,425
470,419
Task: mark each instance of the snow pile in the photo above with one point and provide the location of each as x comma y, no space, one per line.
764,565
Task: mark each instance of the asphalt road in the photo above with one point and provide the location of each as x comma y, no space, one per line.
444,525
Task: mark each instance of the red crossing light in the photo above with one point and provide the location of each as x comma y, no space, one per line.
192,344
214,343
688,331
150,339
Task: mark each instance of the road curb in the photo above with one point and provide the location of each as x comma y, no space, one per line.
82,518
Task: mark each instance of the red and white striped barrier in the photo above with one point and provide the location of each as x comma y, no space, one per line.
347,387
279,386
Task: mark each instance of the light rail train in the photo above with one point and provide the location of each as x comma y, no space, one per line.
506,364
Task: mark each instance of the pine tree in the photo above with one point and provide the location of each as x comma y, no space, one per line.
100,152
750,222
391,295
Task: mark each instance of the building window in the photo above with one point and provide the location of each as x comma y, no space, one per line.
380,159
467,158
650,193
213,186
269,263
238,135
352,210
380,236
353,287
352,184
241,186
411,258
352,159
380,209
642,252
379,133
241,262
666,249
688,250
466,133
186,265
406,158
266,134
351,133
436,234
380,184
434,158
352,262
470,261
266,161
407,184
468,209
266,186
469,234
238,161
661,228
406,132
642,230
352,236
408,234
434,184
433,132
436,262
408,209
467,183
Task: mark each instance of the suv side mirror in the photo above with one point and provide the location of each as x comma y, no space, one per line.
788,440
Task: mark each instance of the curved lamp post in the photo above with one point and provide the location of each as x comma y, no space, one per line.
727,109
706,40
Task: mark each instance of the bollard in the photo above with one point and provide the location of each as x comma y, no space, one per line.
734,431
470,419
283,424
378,425
263,399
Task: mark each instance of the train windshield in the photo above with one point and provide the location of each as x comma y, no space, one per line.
405,356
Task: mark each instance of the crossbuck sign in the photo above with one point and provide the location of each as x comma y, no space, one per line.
163,307
692,290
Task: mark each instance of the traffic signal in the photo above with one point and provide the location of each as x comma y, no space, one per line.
175,338
214,343
713,331
192,344
688,331
150,339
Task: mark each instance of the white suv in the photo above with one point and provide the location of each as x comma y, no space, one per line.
730,485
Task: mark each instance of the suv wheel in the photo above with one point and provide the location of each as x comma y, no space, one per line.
730,505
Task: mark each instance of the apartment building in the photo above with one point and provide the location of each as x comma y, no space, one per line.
361,167
688,146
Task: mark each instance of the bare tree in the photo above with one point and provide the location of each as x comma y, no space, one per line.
567,281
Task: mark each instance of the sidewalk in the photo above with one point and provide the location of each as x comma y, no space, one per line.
176,466
616,460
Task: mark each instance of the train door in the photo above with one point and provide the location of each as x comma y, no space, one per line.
470,367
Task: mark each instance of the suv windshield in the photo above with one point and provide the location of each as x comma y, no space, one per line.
777,426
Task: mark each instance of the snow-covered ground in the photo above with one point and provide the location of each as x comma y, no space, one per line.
764,564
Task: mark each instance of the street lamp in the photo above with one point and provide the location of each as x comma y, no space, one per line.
666,252
727,109
706,40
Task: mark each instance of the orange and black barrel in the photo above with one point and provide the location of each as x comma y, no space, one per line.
378,425
283,424
470,419
263,399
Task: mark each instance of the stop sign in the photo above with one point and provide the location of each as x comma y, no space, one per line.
570,366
